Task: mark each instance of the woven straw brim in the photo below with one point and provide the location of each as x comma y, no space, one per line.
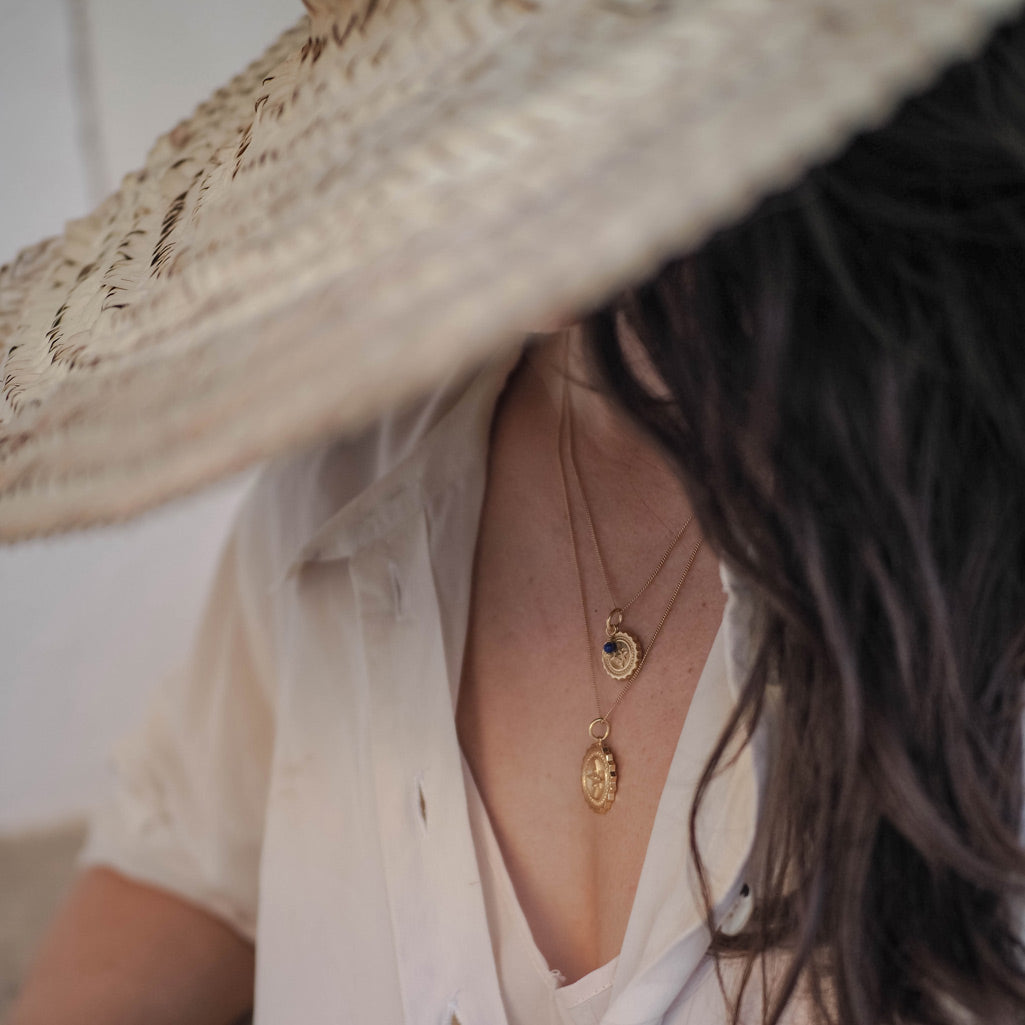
393,193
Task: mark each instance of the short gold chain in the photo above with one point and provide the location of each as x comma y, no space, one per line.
565,421
594,534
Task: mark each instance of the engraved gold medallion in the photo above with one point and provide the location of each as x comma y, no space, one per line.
598,776
621,652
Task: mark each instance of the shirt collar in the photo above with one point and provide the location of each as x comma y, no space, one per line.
420,454
420,451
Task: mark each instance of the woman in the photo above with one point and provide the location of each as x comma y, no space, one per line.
464,676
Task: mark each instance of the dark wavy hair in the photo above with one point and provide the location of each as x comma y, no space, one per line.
847,379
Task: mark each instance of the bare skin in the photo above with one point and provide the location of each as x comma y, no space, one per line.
124,954
526,696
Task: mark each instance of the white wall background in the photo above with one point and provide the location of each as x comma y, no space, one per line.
89,623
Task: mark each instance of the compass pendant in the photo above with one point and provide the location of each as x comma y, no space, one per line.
598,776
621,652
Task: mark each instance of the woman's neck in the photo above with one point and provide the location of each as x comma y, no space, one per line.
616,459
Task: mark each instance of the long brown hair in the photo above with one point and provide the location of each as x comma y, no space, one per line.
847,378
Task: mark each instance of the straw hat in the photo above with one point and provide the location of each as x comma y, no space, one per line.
397,189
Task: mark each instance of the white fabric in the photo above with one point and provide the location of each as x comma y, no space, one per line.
302,777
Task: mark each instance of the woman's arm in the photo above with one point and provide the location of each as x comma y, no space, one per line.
121,953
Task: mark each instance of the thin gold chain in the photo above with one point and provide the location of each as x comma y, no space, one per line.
564,420
576,559
594,534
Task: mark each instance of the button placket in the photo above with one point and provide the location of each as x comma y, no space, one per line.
438,917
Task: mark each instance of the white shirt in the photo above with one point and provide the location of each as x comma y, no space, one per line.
302,779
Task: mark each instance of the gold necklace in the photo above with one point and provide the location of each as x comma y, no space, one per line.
599,776
622,655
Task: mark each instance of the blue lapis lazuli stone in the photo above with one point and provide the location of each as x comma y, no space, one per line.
609,647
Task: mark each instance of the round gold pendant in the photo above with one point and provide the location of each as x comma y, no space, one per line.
598,777
620,655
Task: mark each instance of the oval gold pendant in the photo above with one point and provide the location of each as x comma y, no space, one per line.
620,655
598,777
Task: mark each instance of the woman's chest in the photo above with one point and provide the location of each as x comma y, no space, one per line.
574,872
532,683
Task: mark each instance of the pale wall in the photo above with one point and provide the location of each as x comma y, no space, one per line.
88,624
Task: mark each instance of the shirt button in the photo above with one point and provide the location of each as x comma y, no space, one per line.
739,914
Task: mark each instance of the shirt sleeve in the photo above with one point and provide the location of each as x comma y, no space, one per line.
187,811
